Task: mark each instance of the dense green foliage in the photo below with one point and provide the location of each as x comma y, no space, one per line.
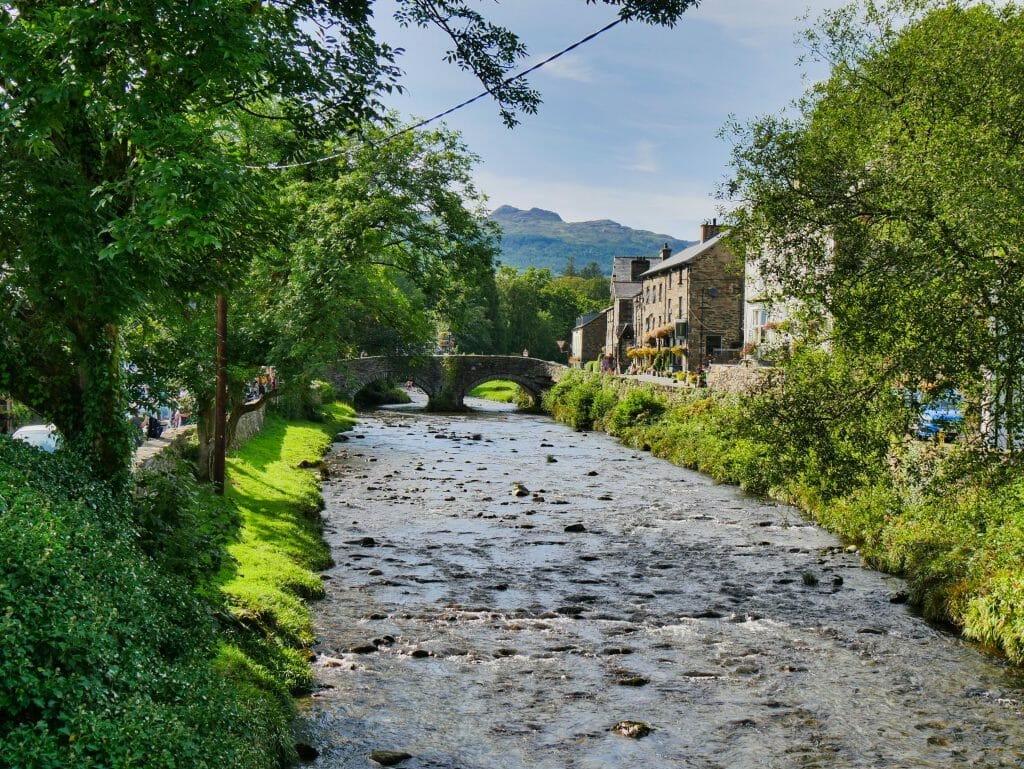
163,628
537,309
949,522
108,656
136,139
887,201
540,239
499,390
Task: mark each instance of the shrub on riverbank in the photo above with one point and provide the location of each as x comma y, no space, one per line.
118,650
945,517
106,658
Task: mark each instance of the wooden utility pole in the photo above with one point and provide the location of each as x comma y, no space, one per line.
220,404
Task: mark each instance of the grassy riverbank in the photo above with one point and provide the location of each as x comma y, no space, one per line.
500,390
127,639
948,519
274,564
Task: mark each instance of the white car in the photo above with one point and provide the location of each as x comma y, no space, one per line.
43,437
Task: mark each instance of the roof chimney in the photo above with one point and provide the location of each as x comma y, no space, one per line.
708,230
666,252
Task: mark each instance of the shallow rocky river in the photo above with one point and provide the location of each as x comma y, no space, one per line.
507,591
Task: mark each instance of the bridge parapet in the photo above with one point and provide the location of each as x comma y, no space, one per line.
446,378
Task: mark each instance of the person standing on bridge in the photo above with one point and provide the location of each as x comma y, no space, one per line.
526,353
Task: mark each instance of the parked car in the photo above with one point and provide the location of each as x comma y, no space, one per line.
43,437
941,418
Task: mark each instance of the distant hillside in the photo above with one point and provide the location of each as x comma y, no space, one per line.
538,238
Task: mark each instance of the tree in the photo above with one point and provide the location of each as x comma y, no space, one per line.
374,250
536,309
891,199
125,183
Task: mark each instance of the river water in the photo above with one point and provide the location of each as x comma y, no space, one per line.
507,591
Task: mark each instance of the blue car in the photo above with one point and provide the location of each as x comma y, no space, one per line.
941,418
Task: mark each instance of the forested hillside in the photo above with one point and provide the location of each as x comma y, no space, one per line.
539,238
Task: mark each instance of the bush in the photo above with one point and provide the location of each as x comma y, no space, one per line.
638,407
106,658
379,393
183,526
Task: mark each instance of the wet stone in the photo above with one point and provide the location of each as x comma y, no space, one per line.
306,752
362,542
632,681
575,528
632,729
389,757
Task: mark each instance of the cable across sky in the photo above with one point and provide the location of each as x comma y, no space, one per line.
449,111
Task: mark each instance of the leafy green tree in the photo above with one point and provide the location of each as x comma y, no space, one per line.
890,198
537,309
125,183
374,250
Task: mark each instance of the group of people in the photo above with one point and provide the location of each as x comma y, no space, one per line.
265,383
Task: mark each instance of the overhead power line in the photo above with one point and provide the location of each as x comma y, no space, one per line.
427,121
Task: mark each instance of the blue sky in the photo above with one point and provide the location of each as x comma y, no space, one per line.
629,125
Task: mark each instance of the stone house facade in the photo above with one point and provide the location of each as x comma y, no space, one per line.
589,337
688,312
625,286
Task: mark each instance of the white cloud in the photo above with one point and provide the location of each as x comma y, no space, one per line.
570,67
748,20
644,158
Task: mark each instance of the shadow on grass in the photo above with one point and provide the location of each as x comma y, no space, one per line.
279,547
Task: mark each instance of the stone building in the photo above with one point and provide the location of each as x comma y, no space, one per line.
688,311
589,337
625,285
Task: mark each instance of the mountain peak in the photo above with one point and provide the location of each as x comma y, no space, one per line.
539,238
511,213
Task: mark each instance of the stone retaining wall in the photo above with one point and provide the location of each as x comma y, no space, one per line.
741,378
248,425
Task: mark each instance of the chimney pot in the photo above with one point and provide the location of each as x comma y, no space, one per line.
708,230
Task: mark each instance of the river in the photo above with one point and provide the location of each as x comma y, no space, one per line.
507,591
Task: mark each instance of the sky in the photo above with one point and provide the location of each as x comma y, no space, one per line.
629,128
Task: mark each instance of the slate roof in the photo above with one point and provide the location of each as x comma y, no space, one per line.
623,285
683,258
583,320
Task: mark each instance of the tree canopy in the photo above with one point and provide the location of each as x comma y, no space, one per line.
890,197
130,176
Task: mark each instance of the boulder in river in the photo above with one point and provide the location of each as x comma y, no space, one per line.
575,528
389,757
632,729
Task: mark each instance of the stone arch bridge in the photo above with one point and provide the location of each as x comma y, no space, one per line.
446,379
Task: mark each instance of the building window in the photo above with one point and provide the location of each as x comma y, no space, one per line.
680,307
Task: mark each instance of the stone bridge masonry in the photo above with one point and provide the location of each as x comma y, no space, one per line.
446,379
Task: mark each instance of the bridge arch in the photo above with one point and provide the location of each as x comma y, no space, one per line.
446,378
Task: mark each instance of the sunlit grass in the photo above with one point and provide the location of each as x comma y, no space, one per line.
280,550
500,390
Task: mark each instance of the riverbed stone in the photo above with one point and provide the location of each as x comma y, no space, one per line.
632,729
389,757
575,528
306,752
632,681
